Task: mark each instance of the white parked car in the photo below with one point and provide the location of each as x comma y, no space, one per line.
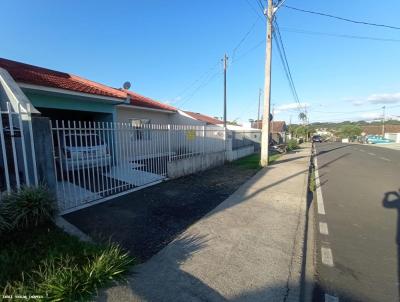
80,151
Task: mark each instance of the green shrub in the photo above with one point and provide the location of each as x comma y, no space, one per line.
30,206
65,279
292,145
108,265
4,221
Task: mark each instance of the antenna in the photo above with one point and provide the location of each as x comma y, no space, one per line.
126,85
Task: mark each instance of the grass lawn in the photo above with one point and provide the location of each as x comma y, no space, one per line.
253,161
46,259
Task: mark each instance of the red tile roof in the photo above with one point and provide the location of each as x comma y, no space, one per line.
30,74
35,75
142,101
274,126
204,118
377,129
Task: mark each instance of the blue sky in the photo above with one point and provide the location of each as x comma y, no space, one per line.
172,50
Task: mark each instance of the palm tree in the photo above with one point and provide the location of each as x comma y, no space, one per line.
302,116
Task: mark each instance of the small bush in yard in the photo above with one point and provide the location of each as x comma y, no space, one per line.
292,145
38,257
4,222
71,270
28,207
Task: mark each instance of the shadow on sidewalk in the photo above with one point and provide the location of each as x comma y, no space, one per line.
163,279
392,201
291,176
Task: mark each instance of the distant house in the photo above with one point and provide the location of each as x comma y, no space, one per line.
391,131
202,118
277,128
378,129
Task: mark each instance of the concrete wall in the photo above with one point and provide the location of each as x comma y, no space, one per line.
195,164
393,136
155,117
239,153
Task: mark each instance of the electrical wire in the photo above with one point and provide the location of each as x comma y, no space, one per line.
243,39
204,84
303,31
340,18
282,54
262,17
203,75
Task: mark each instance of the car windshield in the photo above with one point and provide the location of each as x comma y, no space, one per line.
90,140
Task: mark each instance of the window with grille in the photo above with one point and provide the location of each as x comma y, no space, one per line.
142,132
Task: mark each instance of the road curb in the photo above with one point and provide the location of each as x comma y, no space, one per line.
308,259
301,278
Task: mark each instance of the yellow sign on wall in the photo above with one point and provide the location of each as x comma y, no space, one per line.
191,135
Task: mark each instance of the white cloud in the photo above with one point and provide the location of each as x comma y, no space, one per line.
384,98
371,116
377,99
289,106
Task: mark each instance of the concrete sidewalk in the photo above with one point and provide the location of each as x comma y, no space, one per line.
249,248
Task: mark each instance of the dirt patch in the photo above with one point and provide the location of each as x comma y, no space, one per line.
145,221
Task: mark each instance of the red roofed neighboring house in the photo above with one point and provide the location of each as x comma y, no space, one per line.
203,119
64,96
392,132
277,128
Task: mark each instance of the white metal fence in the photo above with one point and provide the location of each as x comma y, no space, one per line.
96,160
246,138
17,152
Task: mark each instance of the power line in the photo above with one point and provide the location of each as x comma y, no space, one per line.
302,31
256,11
341,18
208,72
203,75
249,51
282,54
243,39
283,57
261,6
204,84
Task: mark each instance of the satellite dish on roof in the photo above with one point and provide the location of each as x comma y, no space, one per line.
127,85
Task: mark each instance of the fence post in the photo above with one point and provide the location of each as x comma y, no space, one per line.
204,139
169,142
43,149
4,153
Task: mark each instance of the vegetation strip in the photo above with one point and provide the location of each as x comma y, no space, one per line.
38,258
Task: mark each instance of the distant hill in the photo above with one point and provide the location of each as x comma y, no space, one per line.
329,125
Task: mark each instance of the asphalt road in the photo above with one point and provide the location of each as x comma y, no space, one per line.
360,187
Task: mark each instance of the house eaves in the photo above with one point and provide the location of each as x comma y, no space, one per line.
52,90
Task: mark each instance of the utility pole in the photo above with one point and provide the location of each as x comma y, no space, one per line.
259,103
267,88
272,122
225,59
383,120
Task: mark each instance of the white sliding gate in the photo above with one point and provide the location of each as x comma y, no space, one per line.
17,150
95,161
